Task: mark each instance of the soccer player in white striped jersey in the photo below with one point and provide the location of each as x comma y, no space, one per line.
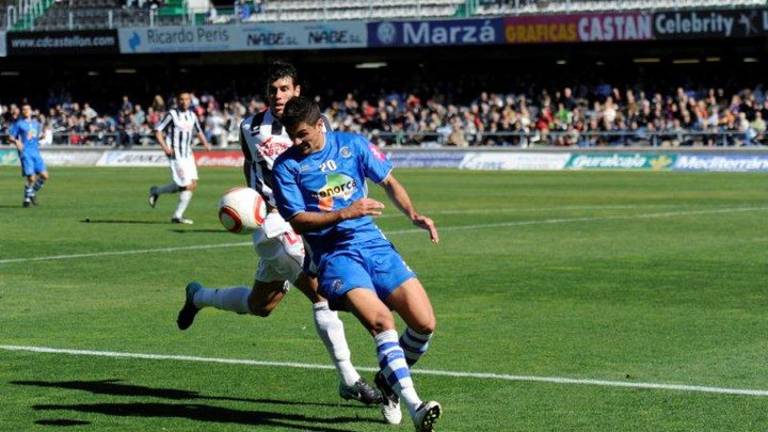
176,133
280,249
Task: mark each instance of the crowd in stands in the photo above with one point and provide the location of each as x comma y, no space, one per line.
563,117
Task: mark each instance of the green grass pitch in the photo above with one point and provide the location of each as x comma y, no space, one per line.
626,277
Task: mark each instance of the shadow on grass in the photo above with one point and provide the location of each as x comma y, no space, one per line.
199,230
121,221
196,411
61,422
207,413
115,387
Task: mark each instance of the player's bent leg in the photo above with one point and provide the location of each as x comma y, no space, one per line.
260,300
29,190
185,196
411,302
330,329
42,177
265,297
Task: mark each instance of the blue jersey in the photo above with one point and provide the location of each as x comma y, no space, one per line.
28,132
328,180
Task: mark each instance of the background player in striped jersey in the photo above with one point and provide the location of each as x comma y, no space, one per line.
25,135
176,133
281,250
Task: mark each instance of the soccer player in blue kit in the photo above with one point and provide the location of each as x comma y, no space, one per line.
25,135
320,189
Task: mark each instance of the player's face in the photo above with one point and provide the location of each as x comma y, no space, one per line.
185,101
309,138
280,92
26,111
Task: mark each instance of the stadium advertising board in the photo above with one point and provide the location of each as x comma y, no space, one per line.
246,37
228,158
62,42
515,161
320,35
641,161
176,39
9,157
721,162
3,51
605,27
425,158
438,32
710,24
71,157
133,158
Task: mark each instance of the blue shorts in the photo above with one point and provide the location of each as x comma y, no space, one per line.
374,265
31,164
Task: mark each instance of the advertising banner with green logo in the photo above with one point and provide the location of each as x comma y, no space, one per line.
620,161
9,157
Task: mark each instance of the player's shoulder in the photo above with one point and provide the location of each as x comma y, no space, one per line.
288,159
254,121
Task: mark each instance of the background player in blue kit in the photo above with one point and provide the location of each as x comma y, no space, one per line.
25,135
320,188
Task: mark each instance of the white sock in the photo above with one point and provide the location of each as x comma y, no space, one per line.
228,299
184,198
169,188
395,369
331,331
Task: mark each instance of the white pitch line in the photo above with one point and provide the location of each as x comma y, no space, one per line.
533,209
407,231
126,252
452,374
581,219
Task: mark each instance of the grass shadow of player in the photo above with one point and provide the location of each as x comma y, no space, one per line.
207,413
61,422
114,387
118,221
199,231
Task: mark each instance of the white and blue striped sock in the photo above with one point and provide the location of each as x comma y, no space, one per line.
38,184
414,345
395,369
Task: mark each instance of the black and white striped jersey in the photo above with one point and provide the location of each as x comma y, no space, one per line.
262,139
180,128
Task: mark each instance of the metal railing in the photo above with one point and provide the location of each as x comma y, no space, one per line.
440,140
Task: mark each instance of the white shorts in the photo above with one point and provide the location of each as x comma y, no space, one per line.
183,171
281,258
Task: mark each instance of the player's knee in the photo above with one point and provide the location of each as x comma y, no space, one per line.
262,310
382,322
259,308
427,327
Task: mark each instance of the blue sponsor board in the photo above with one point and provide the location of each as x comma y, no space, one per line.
436,33
426,159
721,162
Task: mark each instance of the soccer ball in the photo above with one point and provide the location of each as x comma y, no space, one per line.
242,210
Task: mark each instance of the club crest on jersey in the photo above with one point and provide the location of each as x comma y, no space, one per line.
345,152
336,186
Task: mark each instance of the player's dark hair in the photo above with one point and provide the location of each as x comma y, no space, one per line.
280,69
300,109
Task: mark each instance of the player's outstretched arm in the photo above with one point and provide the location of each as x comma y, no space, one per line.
313,221
161,140
17,142
399,196
204,141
